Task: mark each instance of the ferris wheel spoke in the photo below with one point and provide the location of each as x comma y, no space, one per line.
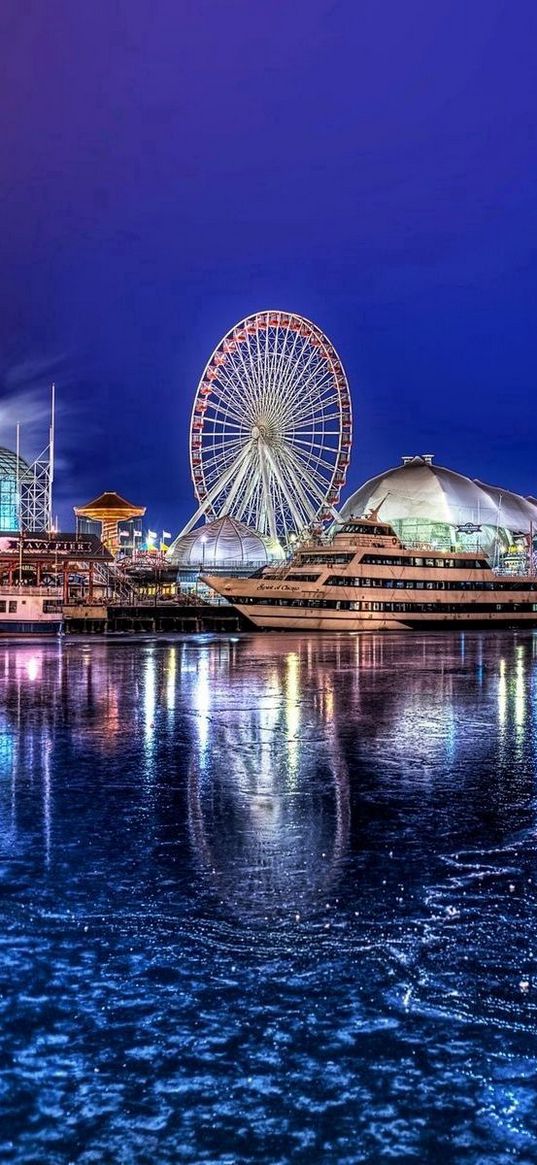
300,426
313,373
240,479
289,361
294,493
251,506
300,437
272,372
309,399
285,366
229,414
322,405
235,378
254,364
245,503
212,494
316,484
295,504
234,383
292,383
317,460
242,377
283,507
211,445
313,468
223,389
268,506
221,448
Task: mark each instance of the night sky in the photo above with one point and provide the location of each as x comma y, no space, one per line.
168,167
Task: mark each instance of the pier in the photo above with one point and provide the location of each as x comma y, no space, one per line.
98,619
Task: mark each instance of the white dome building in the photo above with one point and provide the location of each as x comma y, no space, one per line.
428,503
225,546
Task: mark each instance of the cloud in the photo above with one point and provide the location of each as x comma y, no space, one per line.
25,401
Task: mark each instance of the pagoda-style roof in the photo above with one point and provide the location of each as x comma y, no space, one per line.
109,506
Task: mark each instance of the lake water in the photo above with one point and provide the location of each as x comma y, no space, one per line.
269,899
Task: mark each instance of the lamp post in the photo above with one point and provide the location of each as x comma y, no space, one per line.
203,541
135,534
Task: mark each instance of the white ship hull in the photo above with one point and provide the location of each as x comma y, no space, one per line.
266,620
30,611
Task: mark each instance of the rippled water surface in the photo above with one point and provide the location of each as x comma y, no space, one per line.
268,899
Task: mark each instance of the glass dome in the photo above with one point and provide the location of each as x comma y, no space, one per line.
223,544
425,502
9,501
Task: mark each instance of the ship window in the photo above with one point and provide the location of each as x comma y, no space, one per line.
321,559
12,606
302,577
358,528
2,605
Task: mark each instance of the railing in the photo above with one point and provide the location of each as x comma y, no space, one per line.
114,580
28,589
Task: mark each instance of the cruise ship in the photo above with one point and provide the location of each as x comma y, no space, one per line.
366,579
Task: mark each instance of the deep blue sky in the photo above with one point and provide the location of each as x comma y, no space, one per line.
168,167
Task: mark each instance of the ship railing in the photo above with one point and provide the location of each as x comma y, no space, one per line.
505,572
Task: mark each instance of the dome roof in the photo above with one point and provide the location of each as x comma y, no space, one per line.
8,463
420,489
223,541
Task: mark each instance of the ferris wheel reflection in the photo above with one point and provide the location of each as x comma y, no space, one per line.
268,797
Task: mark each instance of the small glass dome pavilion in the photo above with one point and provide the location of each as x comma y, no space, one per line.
225,546
9,498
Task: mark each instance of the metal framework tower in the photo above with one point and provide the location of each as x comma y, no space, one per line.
34,487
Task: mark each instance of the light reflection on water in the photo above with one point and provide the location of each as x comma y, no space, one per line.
268,898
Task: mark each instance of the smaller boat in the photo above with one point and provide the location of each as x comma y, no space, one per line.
31,610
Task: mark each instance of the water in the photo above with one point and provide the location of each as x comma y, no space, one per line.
269,899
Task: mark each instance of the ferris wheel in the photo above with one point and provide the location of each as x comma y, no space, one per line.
271,427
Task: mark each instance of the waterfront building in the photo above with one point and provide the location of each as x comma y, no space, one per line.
12,469
25,492
75,566
426,503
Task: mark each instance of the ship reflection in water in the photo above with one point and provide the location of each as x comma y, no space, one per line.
269,898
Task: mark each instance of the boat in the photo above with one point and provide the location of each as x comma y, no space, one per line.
365,579
31,610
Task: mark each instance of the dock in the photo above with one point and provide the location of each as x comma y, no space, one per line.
98,619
